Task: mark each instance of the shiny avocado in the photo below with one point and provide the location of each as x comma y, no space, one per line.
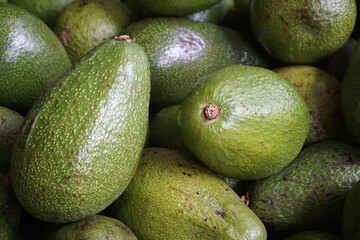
81,142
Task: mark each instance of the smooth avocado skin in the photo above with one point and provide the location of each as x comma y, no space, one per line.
94,228
244,122
350,98
81,142
10,123
302,31
46,10
312,235
317,181
181,51
83,24
170,8
174,197
31,57
351,214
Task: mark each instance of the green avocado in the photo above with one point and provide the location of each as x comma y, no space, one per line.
351,214
244,122
10,123
31,57
94,228
181,51
313,235
81,142
310,192
174,197
46,10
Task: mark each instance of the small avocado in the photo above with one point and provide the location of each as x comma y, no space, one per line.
181,51
313,235
310,192
174,197
302,31
31,57
321,93
81,142
46,10
83,24
351,215
94,228
10,123
244,122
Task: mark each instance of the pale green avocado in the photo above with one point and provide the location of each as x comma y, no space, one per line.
94,228
10,123
321,93
174,197
46,10
83,24
351,214
81,142
302,31
313,235
244,122
31,57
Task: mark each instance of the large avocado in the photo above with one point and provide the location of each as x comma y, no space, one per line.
81,142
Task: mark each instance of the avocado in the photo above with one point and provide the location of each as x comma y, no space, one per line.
244,122
169,8
302,31
83,24
310,192
94,228
174,197
4,1
351,214
81,142
350,99
46,10
321,93
31,57
313,235
10,123
181,51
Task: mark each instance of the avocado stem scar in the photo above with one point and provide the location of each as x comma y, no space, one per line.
124,38
211,111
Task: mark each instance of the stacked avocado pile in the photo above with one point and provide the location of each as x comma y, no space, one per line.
179,120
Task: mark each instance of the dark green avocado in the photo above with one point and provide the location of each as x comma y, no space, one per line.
351,215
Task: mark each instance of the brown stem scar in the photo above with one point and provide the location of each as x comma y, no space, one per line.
124,38
64,36
211,111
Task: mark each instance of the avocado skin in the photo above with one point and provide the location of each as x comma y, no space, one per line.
10,123
312,235
181,51
315,182
262,125
46,10
81,142
174,197
31,57
351,215
94,228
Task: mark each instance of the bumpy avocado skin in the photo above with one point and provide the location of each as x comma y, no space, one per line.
94,228
313,235
261,126
351,215
181,51
46,10
10,123
31,57
174,197
81,142
315,182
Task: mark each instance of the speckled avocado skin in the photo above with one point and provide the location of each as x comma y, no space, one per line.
31,57
94,228
174,197
181,51
81,143
309,193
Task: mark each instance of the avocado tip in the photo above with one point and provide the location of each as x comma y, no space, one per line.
211,111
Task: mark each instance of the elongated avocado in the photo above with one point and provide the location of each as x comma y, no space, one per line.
81,142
